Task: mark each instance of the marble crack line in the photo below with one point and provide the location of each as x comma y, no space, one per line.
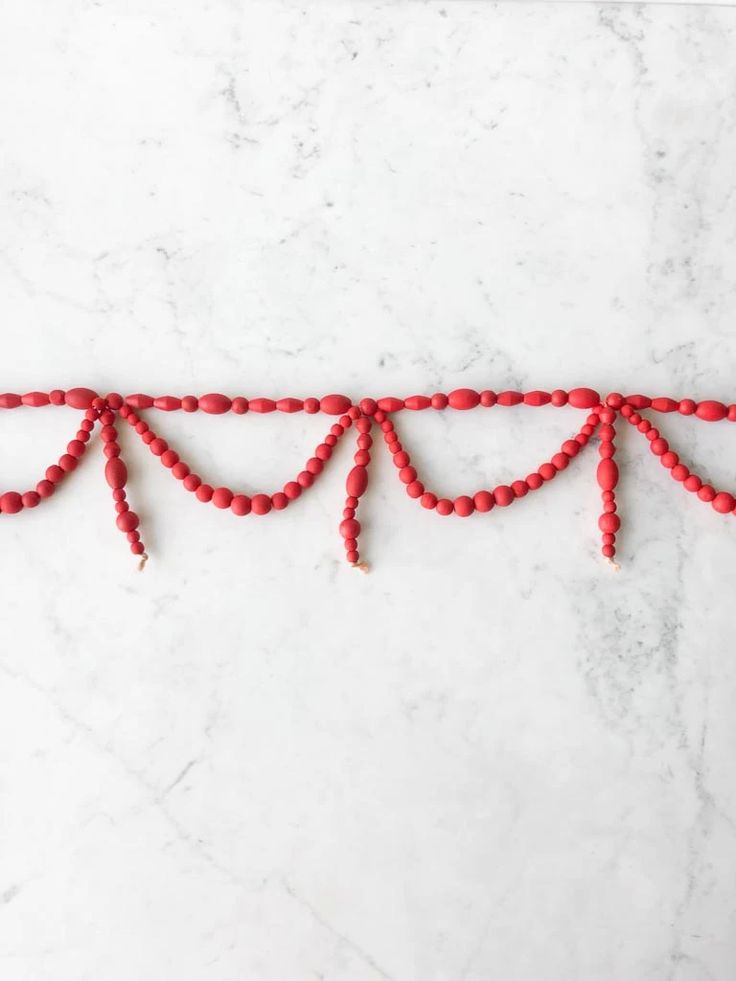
342,940
153,794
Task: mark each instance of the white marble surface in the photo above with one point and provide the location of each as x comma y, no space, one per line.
490,758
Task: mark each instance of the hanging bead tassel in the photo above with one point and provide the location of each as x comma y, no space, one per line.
607,476
116,475
355,486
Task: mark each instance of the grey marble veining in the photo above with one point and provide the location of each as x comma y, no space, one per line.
491,757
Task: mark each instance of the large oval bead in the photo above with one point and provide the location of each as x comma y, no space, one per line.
537,398
509,398
665,405
290,405
357,482
389,404
417,402
35,399
463,398
215,404
583,398
135,401
167,403
711,411
259,405
334,405
116,473
80,398
607,474
10,401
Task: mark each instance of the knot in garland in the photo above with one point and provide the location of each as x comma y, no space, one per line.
602,416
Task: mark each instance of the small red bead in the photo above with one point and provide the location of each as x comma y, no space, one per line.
192,481
483,501
54,474
169,458
292,490
260,503
464,506
189,403
608,551
401,459
204,493
128,521
279,501
687,407
439,401
558,397
75,448
30,499
659,446
407,475
487,399
520,488
180,470
368,406
349,528
311,405
305,478
240,504
693,483
240,406
45,488
67,462
614,400
706,493
609,522
560,461
415,489
444,506
158,446
429,500
503,495
547,471
137,548
669,459
314,465
723,503
534,481
222,497
352,556
11,502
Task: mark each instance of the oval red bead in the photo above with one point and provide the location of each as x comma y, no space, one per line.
638,401
607,474
290,405
116,473
583,398
390,404
463,398
711,411
416,402
537,398
357,481
509,398
215,404
665,405
35,399
261,405
167,403
135,401
80,398
334,405
10,401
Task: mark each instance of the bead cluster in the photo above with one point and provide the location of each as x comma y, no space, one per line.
601,417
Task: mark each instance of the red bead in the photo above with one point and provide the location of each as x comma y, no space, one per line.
537,398
116,473
732,413
669,459
10,401
75,448
133,536
323,452
362,458
122,506
608,538
607,475
240,406
192,481
45,488
390,404
222,497
158,446
444,507
415,489
503,495
35,399
314,465
570,447
287,405
606,450
204,493
560,461
169,458
311,405
659,446
547,471
614,400
608,551
680,472
118,494
401,459
364,442
687,407
509,398
80,398
30,499
693,483
352,556
609,522
416,402
665,405
583,398
128,521
439,401
609,507
67,462
483,501
335,405
305,478
487,399
148,436
56,396
368,406
137,548
407,475
351,502
520,488
558,397
54,474
108,434
189,403
357,481
240,505
167,403
711,411
292,490
11,502
706,493
134,401
349,528
260,503
279,501
463,398
215,404
428,500
723,503
534,481
639,401
464,506
261,405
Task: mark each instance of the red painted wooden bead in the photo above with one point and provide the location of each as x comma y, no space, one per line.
222,497
607,538
305,478
665,405
444,507
362,458
547,471
463,398
335,405
510,398
669,459
189,403
180,470
260,503
292,490
428,500
240,505
687,407
723,503
464,506
483,501
80,398
128,521
711,411
364,442
389,404
45,488
731,413
693,483
279,501
415,489
407,475
503,495
560,461
439,401
169,458
314,465
133,536
323,452
401,459
122,506
108,434
520,488
240,405
30,499
192,481
534,481
35,399
357,481
167,403
9,401
116,473
311,405
350,528
639,401
75,448
558,397
204,493
67,462
158,446
368,406
606,450
11,502
215,404
609,522
261,405
137,548
416,402
137,401
537,398
614,400
680,472
570,447
290,405
487,399
583,398
659,446
652,434
56,396
706,493
352,557
607,475
608,551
